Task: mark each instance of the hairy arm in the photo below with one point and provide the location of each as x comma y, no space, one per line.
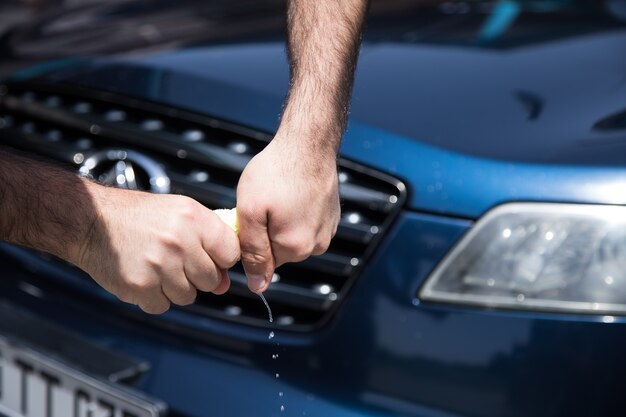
37,207
150,250
322,44
287,198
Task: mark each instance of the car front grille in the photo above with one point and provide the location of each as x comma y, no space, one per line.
203,158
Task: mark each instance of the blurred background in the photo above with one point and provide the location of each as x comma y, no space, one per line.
32,30
35,29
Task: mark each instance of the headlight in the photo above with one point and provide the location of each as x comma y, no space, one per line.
559,257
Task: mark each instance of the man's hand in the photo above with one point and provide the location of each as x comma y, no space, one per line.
150,250
287,198
287,207
156,250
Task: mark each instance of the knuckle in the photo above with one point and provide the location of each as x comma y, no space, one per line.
301,253
188,207
184,212
141,284
321,247
250,211
171,242
296,247
253,257
154,263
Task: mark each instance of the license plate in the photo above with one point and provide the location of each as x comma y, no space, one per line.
33,385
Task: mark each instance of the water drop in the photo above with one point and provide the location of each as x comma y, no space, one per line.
271,336
280,393
275,356
282,408
277,375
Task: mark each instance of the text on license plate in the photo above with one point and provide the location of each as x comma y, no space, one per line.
32,385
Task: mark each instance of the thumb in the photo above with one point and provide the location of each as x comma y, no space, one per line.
256,249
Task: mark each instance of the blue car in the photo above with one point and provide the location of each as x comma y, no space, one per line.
479,268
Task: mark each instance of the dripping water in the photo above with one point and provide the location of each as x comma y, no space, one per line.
270,337
269,310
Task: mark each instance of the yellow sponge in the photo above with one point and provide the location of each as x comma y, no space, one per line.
228,216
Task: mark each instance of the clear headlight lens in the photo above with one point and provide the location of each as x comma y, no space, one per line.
563,257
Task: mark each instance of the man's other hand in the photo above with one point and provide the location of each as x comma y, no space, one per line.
287,207
157,250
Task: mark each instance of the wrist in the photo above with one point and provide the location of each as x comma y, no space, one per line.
311,137
90,225
104,209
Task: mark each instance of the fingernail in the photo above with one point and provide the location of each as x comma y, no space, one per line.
256,282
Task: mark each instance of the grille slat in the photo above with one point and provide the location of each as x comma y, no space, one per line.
203,158
371,199
132,134
332,263
285,294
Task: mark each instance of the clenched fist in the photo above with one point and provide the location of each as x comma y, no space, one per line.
287,207
157,250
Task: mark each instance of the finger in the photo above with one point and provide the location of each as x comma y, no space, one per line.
155,303
224,284
219,241
202,272
285,253
294,245
256,249
177,288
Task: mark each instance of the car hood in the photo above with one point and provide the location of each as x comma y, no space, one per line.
551,102
466,127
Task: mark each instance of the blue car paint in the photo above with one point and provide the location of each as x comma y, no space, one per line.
385,352
469,100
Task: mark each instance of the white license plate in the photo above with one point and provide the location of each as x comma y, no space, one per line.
33,385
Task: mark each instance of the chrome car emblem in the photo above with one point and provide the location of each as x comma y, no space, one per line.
126,169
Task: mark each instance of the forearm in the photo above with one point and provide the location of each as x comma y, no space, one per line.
323,44
43,207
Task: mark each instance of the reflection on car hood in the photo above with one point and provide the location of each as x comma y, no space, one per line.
538,103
